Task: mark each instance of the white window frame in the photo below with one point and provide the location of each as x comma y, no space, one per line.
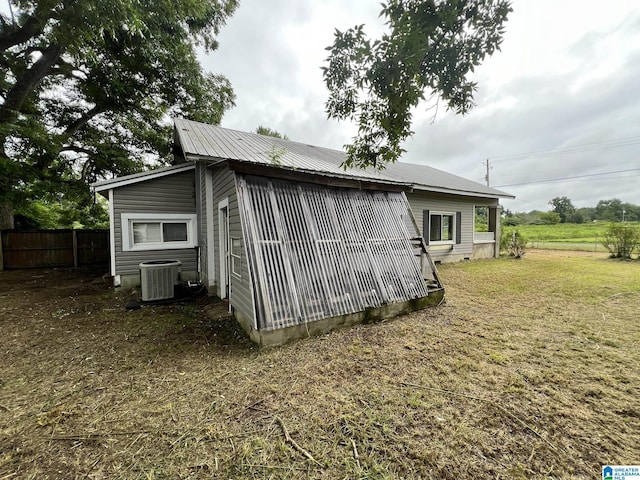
128,219
236,258
453,228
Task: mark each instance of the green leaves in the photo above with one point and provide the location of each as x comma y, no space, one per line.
431,47
621,240
115,72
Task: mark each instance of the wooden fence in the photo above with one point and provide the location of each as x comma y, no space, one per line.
54,248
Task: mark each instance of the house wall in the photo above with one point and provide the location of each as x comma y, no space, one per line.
202,209
241,294
421,201
168,194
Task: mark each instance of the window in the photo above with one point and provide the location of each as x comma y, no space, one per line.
151,231
236,253
441,227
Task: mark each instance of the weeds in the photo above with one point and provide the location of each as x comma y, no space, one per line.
529,370
621,240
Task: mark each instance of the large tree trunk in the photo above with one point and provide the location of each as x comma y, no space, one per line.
6,216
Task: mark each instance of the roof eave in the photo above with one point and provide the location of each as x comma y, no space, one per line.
285,172
464,193
140,177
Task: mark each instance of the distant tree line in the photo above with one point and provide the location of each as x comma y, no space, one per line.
563,211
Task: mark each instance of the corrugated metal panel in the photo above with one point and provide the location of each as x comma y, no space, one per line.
424,177
210,141
318,252
168,194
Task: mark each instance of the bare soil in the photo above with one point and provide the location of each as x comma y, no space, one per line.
530,369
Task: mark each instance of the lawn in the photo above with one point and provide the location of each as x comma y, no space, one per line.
530,369
587,233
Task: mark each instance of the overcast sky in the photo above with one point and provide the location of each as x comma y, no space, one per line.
562,98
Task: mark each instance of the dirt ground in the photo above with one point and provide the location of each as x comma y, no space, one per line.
529,370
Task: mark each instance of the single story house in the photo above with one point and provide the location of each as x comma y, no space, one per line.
445,206
297,244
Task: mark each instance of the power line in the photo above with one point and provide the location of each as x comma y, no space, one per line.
551,180
587,147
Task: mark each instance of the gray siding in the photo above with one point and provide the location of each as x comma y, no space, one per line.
241,296
421,201
169,194
201,212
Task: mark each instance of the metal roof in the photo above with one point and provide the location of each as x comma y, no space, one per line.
431,179
200,141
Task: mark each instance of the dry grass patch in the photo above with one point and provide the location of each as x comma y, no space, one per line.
529,370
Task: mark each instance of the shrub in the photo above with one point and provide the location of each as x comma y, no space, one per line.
513,242
621,240
550,218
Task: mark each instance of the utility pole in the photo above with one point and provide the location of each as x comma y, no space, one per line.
489,167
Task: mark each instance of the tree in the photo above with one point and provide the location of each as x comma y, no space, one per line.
576,217
588,214
631,212
481,223
522,218
549,218
88,86
62,214
270,133
609,210
431,46
563,207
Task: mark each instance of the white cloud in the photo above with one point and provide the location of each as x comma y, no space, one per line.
568,74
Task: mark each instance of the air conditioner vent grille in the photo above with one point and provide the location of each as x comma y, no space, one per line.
158,278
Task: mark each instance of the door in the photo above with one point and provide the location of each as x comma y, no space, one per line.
223,242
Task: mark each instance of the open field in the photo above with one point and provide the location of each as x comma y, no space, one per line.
589,233
529,370
567,236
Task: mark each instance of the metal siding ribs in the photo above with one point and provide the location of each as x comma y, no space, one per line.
319,252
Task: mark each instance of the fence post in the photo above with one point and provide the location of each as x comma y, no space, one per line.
75,247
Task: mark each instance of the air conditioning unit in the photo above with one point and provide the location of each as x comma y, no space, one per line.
158,278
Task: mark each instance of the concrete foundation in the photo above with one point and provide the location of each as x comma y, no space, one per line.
484,250
131,281
319,327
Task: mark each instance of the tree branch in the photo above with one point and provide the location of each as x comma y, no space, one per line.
31,28
63,68
82,121
77,149
28,82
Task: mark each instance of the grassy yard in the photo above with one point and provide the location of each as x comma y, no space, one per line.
567,236
588,233
530,369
